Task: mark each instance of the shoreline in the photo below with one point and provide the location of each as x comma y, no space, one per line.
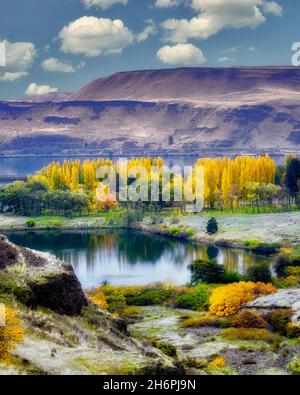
261,233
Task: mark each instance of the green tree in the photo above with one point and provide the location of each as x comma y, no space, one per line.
212,226
292,179
206,272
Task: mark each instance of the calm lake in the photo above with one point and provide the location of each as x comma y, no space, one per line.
130,258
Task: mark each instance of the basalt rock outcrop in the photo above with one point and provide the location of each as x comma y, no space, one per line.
39,279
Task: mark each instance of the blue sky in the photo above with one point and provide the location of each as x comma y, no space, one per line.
60,45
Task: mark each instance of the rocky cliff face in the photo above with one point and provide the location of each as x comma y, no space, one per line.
39,279
64,332
220,110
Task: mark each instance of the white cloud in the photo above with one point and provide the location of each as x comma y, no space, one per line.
149,30
38,90
230,50
19,59
216,15
93,36
20,55
225,59
104,4
166,3
13,76
272,7
53,64
186,54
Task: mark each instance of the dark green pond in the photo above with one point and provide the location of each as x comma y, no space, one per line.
128,257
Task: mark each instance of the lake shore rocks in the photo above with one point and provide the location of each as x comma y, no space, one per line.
39,279
283,299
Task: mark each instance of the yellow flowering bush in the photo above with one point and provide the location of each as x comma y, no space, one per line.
10,334
226,300
218,362
100,300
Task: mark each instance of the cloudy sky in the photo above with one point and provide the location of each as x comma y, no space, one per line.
60,45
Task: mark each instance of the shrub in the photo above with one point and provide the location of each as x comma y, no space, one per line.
218,362
149,297
294,366
226,300
174,231
198,322
114,298
30,224
278,320
156,294
195,363
231,277
260,273
166,348
131,313
11,334
212,226
290,282
206,271
195,299
250,334
248,319
100,300
285,261
293,331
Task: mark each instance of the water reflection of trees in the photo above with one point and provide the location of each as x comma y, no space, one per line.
141,248
130,247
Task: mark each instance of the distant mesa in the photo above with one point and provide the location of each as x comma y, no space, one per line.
201,110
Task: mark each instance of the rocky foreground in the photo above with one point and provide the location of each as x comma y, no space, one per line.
64,332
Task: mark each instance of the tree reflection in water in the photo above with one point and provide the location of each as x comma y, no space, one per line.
129,257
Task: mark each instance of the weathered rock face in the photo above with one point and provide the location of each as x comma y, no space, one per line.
61,293
8,254
39,279
284,298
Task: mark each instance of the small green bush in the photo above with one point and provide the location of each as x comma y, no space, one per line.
294,366
30,224
259,273
212,226
148,296
206,272
278,320
166,348
231,277
195,299
174,231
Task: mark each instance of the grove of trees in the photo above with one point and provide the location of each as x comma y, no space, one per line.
72,187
